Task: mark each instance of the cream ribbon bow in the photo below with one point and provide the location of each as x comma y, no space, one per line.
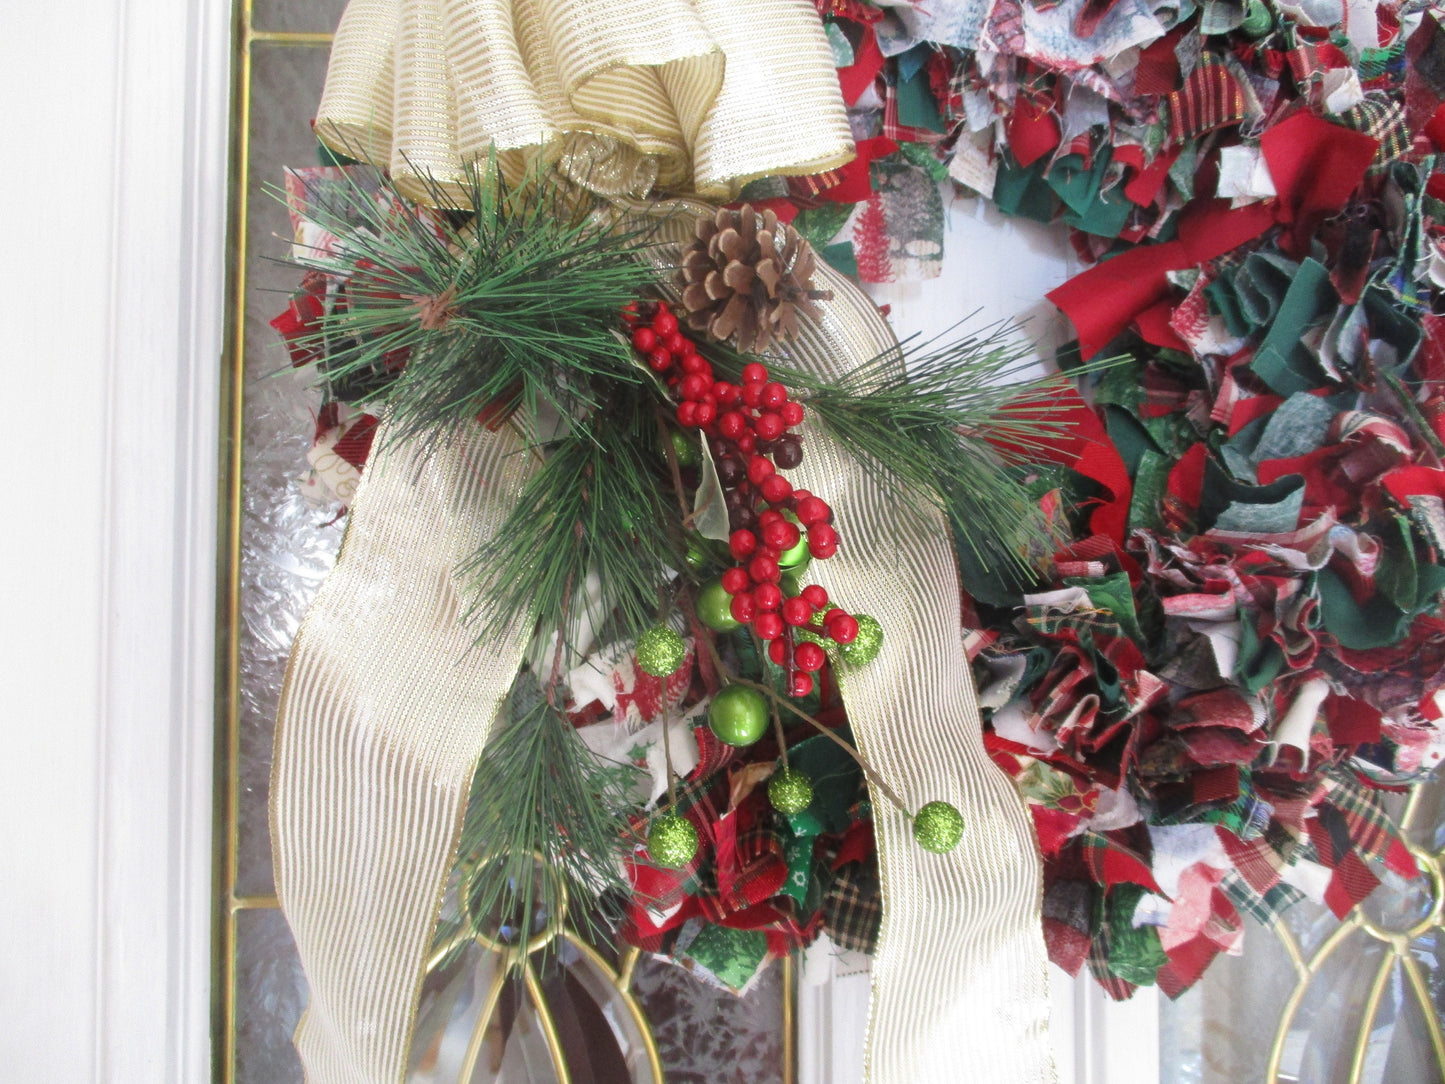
698,96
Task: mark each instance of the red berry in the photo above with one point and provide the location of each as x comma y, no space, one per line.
811,510
770,516
759,470
792,414
693,363
764,569
776,489
822,540
687,416
755,373
841,627
706,413
742,544
809,656
747,443
797,611
743,608
774,395
769,426
645,339
752,395
802,683
674,344
767,596
659,360
736,580
778,652
726,393
815,594
664,323
732,425
768,626
694,386
778,533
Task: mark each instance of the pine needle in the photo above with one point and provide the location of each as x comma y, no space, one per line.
442,315
597,504
544,818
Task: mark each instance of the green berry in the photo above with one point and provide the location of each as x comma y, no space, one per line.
938,827
672,841
714,607
790,791
684,448
738,715
660,651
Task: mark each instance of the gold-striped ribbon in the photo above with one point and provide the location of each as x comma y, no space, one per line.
713,92
959,975
384,711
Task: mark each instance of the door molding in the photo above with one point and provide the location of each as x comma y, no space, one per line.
116,173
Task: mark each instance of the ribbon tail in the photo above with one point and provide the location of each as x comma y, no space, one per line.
960,983
385,710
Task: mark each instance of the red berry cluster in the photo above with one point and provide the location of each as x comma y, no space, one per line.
748,427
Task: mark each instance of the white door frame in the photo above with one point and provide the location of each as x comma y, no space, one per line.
113,179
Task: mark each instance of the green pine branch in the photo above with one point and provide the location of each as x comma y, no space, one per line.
599,503
545,818
511,302
953,425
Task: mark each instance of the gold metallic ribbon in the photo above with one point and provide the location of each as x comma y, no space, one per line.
960,983
693,95
385,709
959,976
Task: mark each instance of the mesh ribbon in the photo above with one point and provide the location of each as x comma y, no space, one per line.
425,86
384,711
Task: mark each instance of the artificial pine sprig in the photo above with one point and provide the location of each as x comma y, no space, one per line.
597,504
543,817
510,302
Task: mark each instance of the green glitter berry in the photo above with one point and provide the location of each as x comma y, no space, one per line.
660,651
672,841
938,827
790,791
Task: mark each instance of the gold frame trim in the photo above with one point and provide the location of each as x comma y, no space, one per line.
1397,945
229,905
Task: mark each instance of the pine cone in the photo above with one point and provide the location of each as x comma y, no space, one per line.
747,275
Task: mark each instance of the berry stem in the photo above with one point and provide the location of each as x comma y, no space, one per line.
667,756
874,779
782,737
665,438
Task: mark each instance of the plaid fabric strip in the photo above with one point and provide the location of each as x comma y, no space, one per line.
1263,907
1371,829
853,907
1209,99
1114,986
1308,61
892,129
1259,861
1383,120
